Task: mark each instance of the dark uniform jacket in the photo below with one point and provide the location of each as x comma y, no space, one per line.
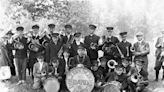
52,50
112,76
114,40
92,53
125,49
74,61
74,48
23,52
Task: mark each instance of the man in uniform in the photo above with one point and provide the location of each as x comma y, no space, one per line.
110,36
21,47
159,55
34,43
53,47
68,38
9,47
141,49
91,43
76,43
124,46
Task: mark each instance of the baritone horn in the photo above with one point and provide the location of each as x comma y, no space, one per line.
33,47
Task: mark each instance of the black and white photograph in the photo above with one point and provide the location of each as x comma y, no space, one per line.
81,45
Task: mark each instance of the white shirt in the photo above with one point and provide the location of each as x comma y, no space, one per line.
41,65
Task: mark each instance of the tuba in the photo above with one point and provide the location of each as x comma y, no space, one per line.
111,64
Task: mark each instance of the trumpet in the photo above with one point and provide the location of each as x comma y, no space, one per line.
111,64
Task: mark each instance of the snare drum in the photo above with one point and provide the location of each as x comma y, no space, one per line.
51,85
113,86
80,79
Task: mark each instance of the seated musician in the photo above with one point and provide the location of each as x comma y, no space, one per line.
81,60
138,81
127,66
118,76
40,71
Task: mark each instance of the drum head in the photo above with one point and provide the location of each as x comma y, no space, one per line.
80,80
51,85
111,88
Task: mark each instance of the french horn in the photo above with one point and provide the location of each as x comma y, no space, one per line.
33,47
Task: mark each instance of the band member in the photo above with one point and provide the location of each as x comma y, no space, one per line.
138,81
103,69
64,68
9,48
81,60
21,47
126,62
68,38
110,50
119,76
34,48
91,43
141,49
40,71
159,55
75,44
53,47
110,36
124,47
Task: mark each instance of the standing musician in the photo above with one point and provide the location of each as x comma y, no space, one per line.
74,46
68,38
159,55
53,47
110,36
124,47
48,36
91,43
141,49
109,45
21,47
81,60
138,80
9,48
34,48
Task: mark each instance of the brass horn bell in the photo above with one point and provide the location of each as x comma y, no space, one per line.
111,64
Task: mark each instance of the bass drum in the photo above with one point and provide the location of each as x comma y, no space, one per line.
51,85
113,86
80,79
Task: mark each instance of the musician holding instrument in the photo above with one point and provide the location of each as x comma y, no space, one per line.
21,46
40,71
9,49
118,76
124,46
80,60
34,48
75,44
91,43
141,49
53,47
138,81
159,55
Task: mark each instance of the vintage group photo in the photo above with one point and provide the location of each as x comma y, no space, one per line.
81,46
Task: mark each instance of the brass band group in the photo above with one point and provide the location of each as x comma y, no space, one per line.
55,54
